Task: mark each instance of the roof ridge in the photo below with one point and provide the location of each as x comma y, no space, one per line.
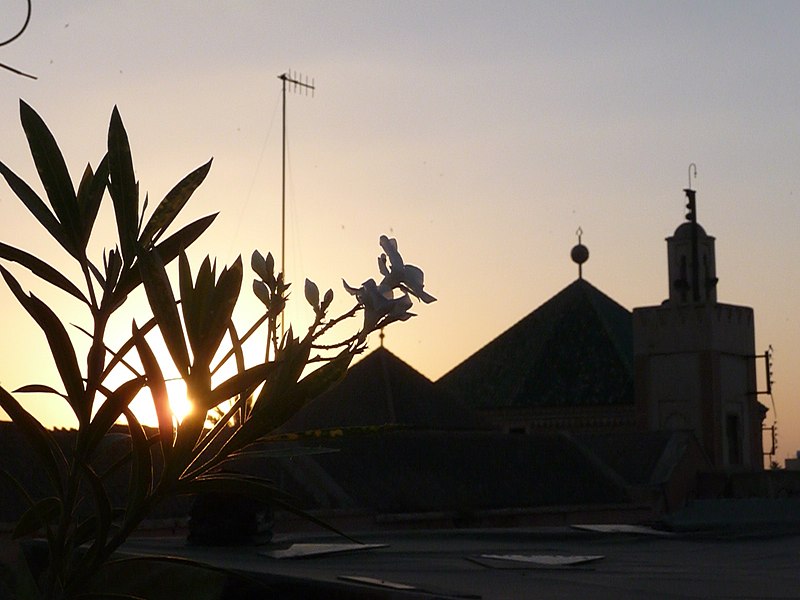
505,371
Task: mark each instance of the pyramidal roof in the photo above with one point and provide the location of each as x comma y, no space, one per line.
576,349
379,390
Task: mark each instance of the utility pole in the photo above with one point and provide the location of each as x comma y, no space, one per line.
297,82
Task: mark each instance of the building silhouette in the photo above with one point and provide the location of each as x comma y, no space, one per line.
581,410
568,365
695,359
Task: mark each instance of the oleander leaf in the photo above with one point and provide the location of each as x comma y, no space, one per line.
36,207
172,204
158,390
123,187
41,269
40,440
165,310
54,175
37,517
112,409
90,196
168,250
60,345
141,482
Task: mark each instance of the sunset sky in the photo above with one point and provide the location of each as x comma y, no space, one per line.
480,134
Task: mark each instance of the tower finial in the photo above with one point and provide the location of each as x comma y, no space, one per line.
691,217
579,253
691,206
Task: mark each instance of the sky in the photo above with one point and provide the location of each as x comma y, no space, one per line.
481,135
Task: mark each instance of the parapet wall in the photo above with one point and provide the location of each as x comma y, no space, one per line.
671,329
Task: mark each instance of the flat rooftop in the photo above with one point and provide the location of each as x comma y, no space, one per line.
505,564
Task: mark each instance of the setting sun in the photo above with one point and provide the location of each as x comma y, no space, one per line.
181,406
178,400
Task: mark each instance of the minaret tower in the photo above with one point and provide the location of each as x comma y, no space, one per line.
691,261
694,357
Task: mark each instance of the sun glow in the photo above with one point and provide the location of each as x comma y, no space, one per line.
179,403
178,399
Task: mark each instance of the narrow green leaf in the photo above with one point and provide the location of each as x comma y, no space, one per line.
113,269
85,530
108,596
242,485
157,578
59,342
284,452
282,402
141,482
36,207
40,440
158,389
125,458
183,238
187,443
20,489
321,380
41,269
172,204
225,297
237,347
204,457
251,487
83,187
103,514
239,384
201,305
289,507
117,357
123,187
90,196
37,517
145,204
203,453
212,307
168,250
188,298
38,388
98,276
111,410
54,174
162,303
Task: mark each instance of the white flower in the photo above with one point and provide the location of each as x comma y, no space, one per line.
408,278
380,309
378,300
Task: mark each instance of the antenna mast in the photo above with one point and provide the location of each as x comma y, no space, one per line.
295,80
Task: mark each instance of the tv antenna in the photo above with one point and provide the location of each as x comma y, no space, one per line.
296,82
14,37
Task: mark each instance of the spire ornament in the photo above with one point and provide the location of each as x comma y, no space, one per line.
579,253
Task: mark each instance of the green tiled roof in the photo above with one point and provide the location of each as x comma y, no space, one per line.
576,349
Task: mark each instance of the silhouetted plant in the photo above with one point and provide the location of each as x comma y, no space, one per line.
183,457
